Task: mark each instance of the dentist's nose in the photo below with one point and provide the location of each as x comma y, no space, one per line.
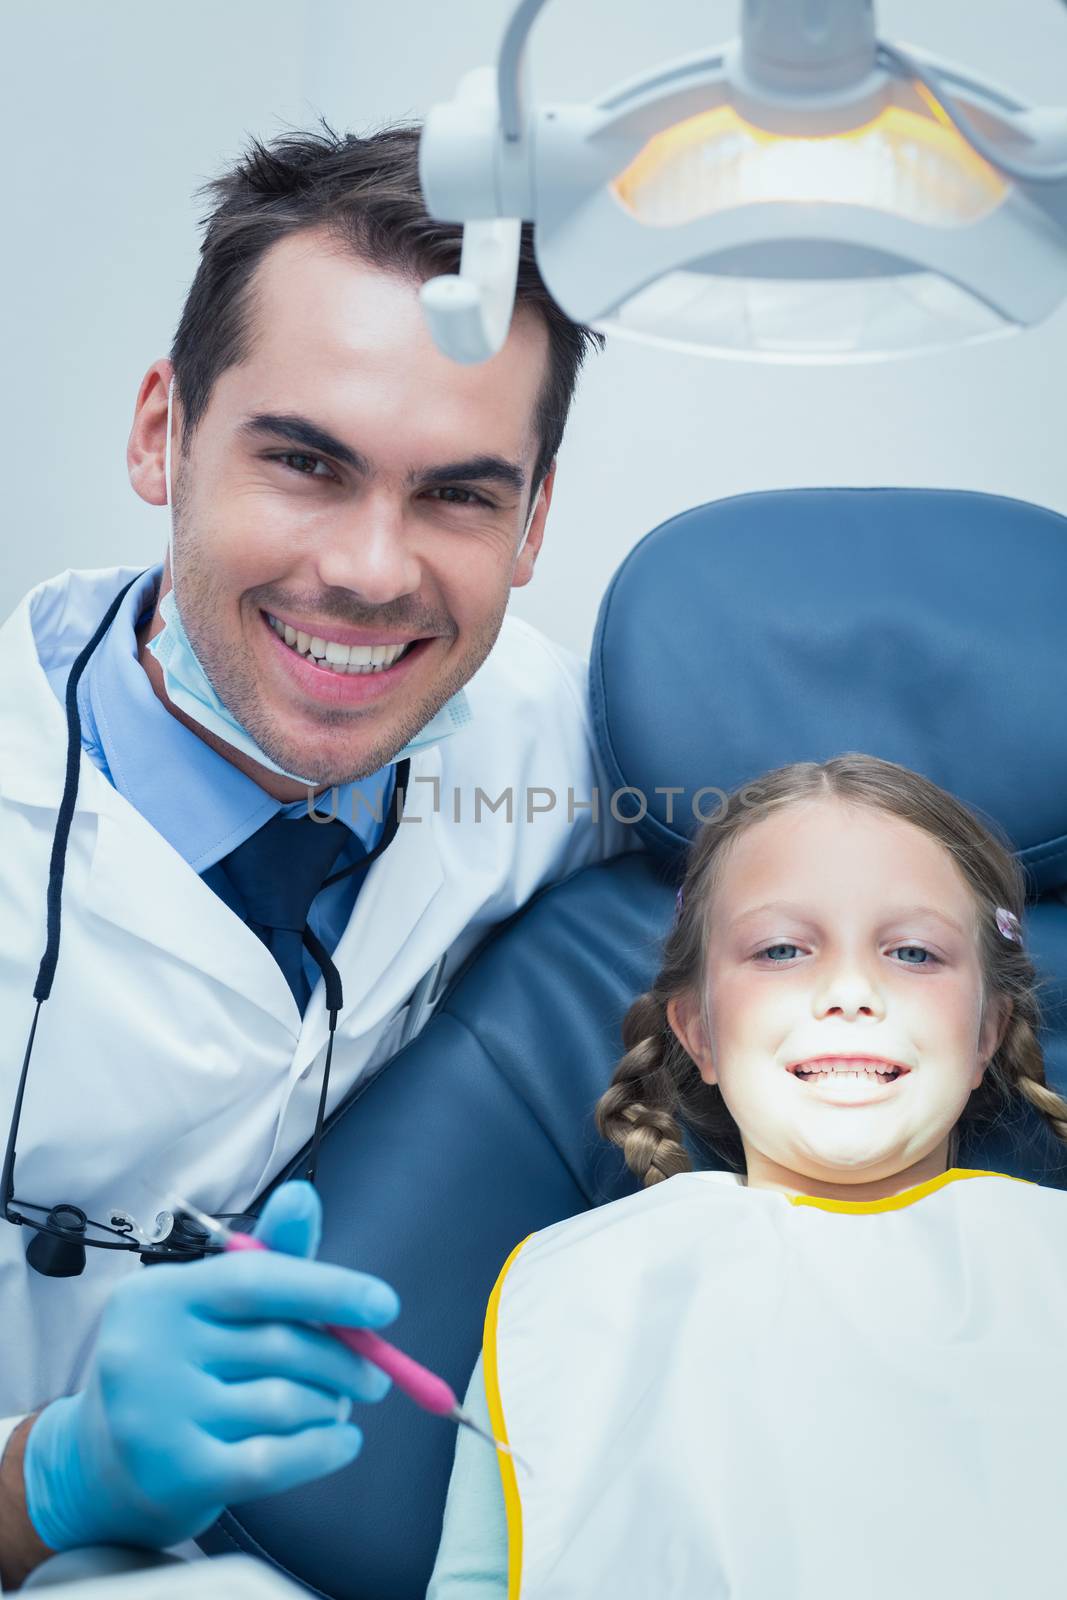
371,555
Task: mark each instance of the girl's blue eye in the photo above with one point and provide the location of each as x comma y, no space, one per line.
921,948
771,947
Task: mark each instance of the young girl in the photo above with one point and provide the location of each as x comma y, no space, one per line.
840,1370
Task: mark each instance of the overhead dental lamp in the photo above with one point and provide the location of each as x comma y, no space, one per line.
807,192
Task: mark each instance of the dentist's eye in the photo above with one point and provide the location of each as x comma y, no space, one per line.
300,462
916,949
770,950
472,497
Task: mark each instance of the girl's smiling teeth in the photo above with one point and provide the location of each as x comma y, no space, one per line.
342,658
855,1067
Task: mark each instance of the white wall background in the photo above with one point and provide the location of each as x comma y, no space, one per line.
113,112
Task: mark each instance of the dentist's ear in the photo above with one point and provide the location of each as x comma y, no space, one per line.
530,548
153,421
168,485
686,1021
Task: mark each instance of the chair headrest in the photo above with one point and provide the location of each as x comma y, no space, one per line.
924,626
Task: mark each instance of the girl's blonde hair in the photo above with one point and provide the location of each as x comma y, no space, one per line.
657,1089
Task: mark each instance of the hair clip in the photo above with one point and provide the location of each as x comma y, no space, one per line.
1008,925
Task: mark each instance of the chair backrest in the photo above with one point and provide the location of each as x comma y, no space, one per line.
923,626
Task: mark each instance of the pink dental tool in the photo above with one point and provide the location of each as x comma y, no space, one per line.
417,1382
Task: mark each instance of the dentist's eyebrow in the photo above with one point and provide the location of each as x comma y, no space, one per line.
479,469
302,431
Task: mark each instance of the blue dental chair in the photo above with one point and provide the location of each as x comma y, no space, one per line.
927,627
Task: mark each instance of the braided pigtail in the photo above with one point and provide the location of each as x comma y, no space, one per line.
1021,1063
1017,1068
636,1112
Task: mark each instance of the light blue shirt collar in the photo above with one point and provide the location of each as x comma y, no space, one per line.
197,800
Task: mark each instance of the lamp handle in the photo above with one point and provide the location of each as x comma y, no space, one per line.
469,313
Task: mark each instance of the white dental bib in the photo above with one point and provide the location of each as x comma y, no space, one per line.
723,1392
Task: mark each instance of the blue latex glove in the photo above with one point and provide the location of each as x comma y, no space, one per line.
208,1387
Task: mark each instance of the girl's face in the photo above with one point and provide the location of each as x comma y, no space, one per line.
842,1016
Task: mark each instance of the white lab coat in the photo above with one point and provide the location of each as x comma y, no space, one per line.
171,1050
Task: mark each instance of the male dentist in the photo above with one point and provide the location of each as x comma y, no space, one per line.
350,511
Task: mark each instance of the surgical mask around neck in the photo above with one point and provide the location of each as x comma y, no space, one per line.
191,690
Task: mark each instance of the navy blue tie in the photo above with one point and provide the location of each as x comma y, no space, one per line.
277,872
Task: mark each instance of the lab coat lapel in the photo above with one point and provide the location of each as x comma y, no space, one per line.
33,724
137,880
142,885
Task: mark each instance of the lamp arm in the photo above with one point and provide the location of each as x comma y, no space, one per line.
890,55
509,68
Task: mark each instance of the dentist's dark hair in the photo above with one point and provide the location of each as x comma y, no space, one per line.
657,1091
365,194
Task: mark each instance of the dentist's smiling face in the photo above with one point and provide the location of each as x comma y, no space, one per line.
842,1015
349,491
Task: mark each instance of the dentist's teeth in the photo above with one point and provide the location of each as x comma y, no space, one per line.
334,657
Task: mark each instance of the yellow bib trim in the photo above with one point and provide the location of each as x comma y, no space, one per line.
512,1503
906,1197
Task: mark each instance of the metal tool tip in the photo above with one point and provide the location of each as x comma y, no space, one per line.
461,1417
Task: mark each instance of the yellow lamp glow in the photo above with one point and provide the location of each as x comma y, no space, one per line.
911,164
